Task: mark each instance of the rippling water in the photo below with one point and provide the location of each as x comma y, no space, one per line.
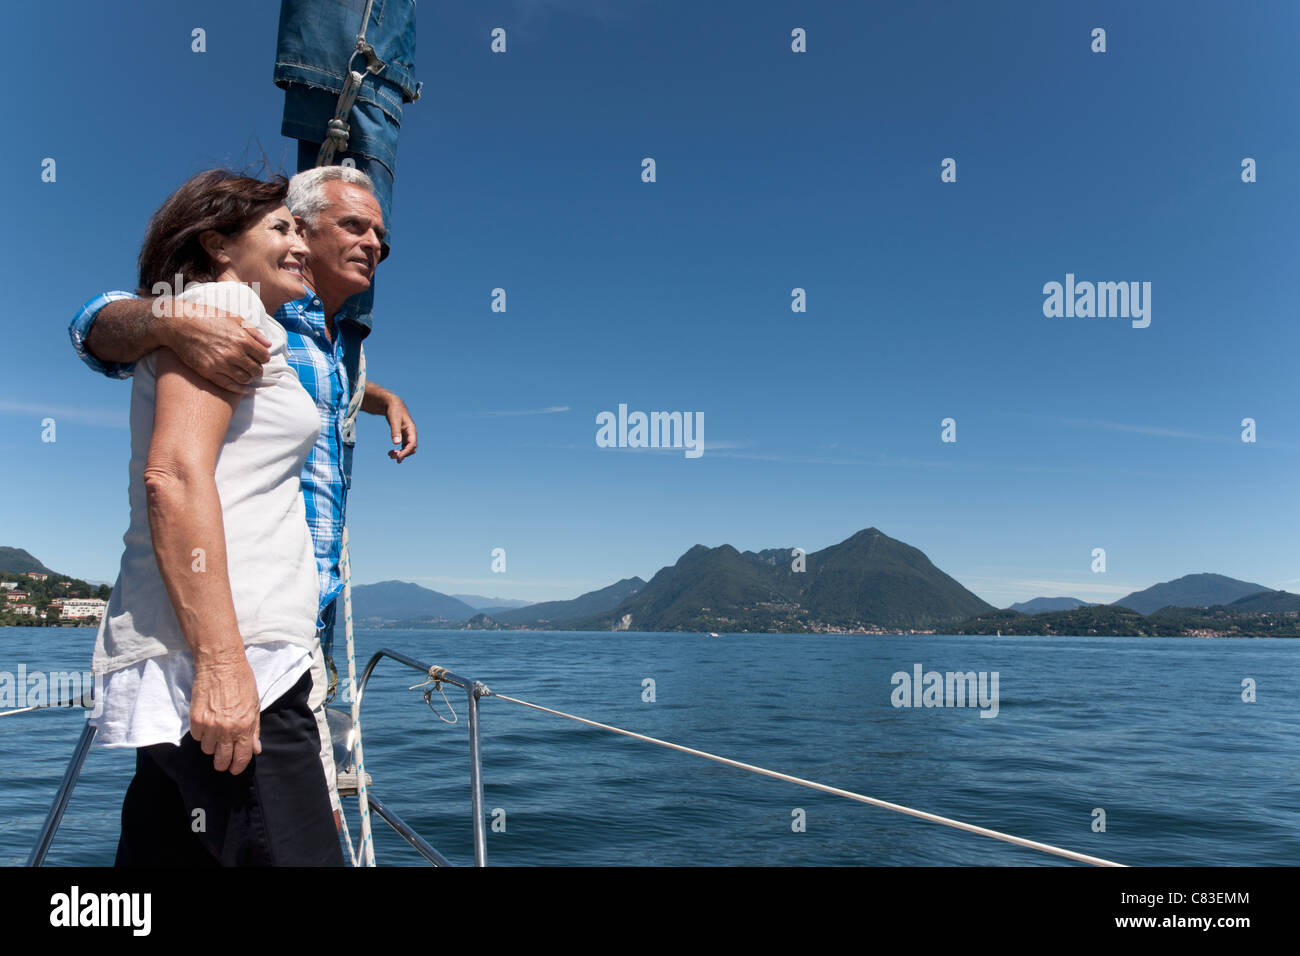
1151,730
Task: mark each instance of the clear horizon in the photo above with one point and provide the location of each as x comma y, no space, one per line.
775,171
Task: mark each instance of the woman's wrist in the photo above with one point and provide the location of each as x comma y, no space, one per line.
220,656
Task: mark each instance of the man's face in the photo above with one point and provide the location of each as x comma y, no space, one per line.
345,241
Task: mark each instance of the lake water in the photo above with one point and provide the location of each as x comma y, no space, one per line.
1152,731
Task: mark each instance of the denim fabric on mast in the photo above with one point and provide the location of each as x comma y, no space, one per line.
315,46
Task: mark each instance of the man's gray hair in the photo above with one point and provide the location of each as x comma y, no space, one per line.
307,189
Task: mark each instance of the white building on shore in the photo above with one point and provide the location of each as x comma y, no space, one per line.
74,608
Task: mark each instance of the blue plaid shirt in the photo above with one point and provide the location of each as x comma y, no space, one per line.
328,371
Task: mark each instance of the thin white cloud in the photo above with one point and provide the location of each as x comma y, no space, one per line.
1042,587
86,416
567,589
883,461
1231,435
548,410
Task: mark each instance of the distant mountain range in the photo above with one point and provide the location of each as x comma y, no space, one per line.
869,582
390,601
1041,604
1266,614
481,603
1191,590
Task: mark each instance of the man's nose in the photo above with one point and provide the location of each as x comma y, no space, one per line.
372,241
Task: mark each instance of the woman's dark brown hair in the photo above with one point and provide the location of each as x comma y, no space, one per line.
215,199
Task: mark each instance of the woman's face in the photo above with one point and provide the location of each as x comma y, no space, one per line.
269,253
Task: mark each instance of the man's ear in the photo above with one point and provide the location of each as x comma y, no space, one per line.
214,244
300,224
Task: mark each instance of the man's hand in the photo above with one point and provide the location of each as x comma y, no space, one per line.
215,344
225,712
403,426
380,401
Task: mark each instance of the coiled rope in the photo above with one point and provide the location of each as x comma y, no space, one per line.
834,791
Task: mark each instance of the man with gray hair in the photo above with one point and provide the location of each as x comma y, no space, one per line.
343,227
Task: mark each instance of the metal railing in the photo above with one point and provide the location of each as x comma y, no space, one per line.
473,690
55,816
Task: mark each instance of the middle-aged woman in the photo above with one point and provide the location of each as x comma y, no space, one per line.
205,648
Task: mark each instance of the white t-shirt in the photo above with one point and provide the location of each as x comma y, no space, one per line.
140,650
149,703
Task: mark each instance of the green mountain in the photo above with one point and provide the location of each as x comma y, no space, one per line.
16,561
874,579
707,589
1095,619
1268,602
1191,590
1267,614
550,614
869,580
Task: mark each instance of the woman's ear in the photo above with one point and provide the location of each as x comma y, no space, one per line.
214,244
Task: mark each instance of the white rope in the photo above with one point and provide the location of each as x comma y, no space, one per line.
836,791
366,852
23,710
347,837
85,701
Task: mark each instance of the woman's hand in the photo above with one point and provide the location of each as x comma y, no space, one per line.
225,712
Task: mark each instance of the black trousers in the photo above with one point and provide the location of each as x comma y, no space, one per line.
180,812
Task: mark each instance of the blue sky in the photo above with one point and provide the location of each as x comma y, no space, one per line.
775,170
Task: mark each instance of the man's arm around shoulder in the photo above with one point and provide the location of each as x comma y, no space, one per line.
114,330
84,323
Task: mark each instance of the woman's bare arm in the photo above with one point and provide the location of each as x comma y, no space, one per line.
191,417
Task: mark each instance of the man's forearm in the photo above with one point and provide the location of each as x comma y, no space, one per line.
127,330
375,399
